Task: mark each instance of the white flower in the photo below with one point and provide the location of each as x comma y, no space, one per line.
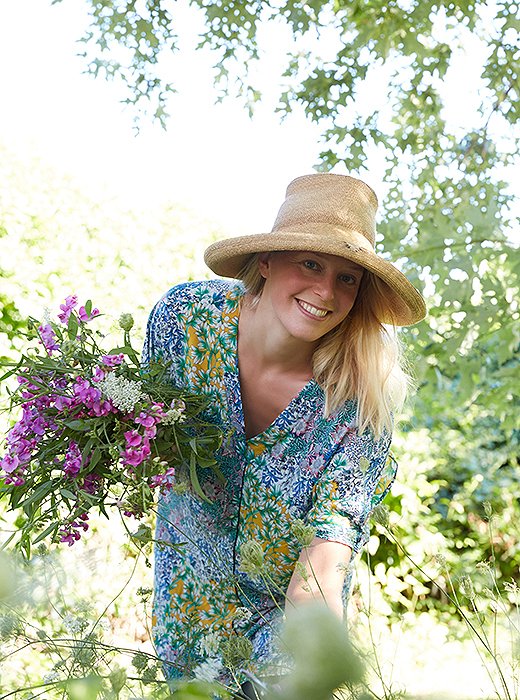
209,644
208,670
124,393
74,624
242,615
51,677
173,415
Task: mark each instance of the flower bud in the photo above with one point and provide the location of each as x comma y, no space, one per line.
126,322
488,509
380,515
251,558
235,651
302,532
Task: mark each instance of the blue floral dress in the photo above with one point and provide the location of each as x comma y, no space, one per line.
302,466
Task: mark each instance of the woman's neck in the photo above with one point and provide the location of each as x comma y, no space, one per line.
270,349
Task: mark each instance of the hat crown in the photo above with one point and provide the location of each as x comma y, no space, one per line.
341,201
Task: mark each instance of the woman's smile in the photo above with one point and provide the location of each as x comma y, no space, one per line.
308,294
312,310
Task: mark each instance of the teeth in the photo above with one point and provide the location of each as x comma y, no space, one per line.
320,313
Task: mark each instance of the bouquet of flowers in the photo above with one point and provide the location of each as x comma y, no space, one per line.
97,430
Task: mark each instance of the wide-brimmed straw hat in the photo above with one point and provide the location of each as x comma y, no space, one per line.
326,213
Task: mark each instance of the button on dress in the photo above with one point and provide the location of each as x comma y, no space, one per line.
303,466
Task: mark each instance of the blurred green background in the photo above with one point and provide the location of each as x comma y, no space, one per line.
450,219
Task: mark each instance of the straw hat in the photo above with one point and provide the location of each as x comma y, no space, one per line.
325,213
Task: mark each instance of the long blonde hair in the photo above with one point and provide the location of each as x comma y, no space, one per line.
360,359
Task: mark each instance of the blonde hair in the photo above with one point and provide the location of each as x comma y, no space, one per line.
358,360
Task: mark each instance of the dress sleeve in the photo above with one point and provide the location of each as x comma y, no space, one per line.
164,338
356,479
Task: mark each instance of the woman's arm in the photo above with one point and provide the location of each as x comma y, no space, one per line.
322,564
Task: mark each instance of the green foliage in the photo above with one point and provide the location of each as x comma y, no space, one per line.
447,217
374,75
61,240
11,321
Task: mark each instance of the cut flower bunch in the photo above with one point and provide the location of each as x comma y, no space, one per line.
97,431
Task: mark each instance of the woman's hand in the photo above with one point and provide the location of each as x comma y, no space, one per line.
319,575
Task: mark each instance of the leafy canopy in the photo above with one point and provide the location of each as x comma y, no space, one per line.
375,75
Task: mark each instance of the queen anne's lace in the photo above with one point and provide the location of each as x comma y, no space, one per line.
208,670
123,393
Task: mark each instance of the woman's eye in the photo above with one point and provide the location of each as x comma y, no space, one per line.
310,264
348,279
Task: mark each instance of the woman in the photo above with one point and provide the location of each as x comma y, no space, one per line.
303,378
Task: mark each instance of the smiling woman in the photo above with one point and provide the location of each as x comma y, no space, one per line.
319,287
303,377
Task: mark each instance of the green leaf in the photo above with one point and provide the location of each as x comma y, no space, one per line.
37,495
195,479
52,528
94,460
78,424
72,327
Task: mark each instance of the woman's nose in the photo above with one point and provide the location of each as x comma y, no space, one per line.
324,287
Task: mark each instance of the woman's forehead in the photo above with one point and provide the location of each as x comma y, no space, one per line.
338,259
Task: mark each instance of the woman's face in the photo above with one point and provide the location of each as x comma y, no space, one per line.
309,293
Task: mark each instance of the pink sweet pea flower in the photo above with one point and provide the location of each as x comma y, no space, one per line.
150,432
133,438
165,480
84,317
66,308
146,419
134,456
9,463
112,360
48,338
98,375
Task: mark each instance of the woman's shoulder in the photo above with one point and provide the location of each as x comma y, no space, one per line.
343,428
205,293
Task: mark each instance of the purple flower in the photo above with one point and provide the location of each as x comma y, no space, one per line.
72,463
164,480
146,419
91,483
102,408
112,360
133,438
69,536
69,533
134,456
48,338
39,425
66,308
98,375
10,463
84,316
15,479
63,402
18,443
90,396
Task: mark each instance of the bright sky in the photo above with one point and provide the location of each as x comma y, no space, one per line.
212,157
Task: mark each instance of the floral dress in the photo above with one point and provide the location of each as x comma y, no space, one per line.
303,466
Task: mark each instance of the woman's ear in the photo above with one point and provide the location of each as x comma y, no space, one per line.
263,264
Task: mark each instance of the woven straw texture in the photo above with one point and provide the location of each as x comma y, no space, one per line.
325,213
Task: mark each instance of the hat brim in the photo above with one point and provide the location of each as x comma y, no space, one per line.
228,257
